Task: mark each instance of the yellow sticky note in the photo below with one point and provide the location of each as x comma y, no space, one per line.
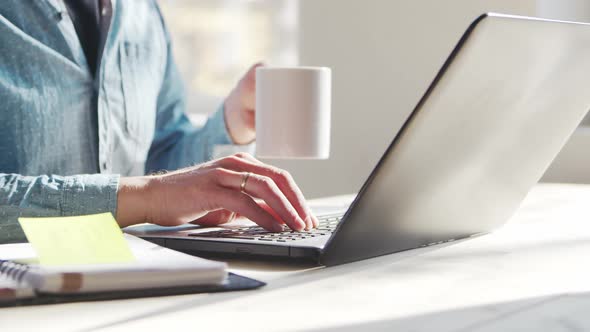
93,239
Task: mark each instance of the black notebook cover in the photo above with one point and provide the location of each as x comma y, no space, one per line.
234,283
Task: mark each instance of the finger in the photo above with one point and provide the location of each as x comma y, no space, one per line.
246,206
282,179
285,183
215,218
247,88
264,188
314,220
249,78
268,209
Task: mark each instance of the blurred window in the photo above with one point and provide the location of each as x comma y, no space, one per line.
216,41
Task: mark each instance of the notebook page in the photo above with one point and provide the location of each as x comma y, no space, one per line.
154,266
20,252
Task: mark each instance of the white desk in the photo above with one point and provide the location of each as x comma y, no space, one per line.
531,275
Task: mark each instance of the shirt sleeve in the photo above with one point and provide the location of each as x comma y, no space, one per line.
177,142
50,196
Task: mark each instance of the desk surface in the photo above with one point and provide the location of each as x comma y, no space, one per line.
531,275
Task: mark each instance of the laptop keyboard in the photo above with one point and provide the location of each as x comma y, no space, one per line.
327,225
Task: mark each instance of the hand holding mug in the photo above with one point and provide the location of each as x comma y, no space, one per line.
240,108
287,109
293,106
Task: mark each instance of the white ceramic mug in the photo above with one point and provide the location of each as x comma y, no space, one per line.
293,106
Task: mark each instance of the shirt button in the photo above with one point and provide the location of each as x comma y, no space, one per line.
104,165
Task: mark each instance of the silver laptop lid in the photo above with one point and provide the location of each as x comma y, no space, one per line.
497,114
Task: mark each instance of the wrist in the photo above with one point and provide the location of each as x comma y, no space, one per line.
133,200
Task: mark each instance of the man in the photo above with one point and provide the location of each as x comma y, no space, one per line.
89,90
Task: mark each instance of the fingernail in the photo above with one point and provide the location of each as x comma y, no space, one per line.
313,221
277,227
308,223
316,222
302,225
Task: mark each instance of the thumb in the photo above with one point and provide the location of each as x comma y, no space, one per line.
247,88
249,79
215,218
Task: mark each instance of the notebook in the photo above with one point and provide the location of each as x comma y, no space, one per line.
11,290
155,271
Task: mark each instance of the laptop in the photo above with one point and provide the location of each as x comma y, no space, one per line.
498,112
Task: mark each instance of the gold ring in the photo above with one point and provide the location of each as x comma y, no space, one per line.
232,216
244,180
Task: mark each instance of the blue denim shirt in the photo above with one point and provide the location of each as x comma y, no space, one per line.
66,136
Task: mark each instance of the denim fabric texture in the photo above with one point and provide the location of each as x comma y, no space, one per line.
66,136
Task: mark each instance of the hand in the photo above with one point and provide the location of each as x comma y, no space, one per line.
240,108
209,194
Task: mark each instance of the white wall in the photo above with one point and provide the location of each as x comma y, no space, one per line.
569,10
573,162
384,54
